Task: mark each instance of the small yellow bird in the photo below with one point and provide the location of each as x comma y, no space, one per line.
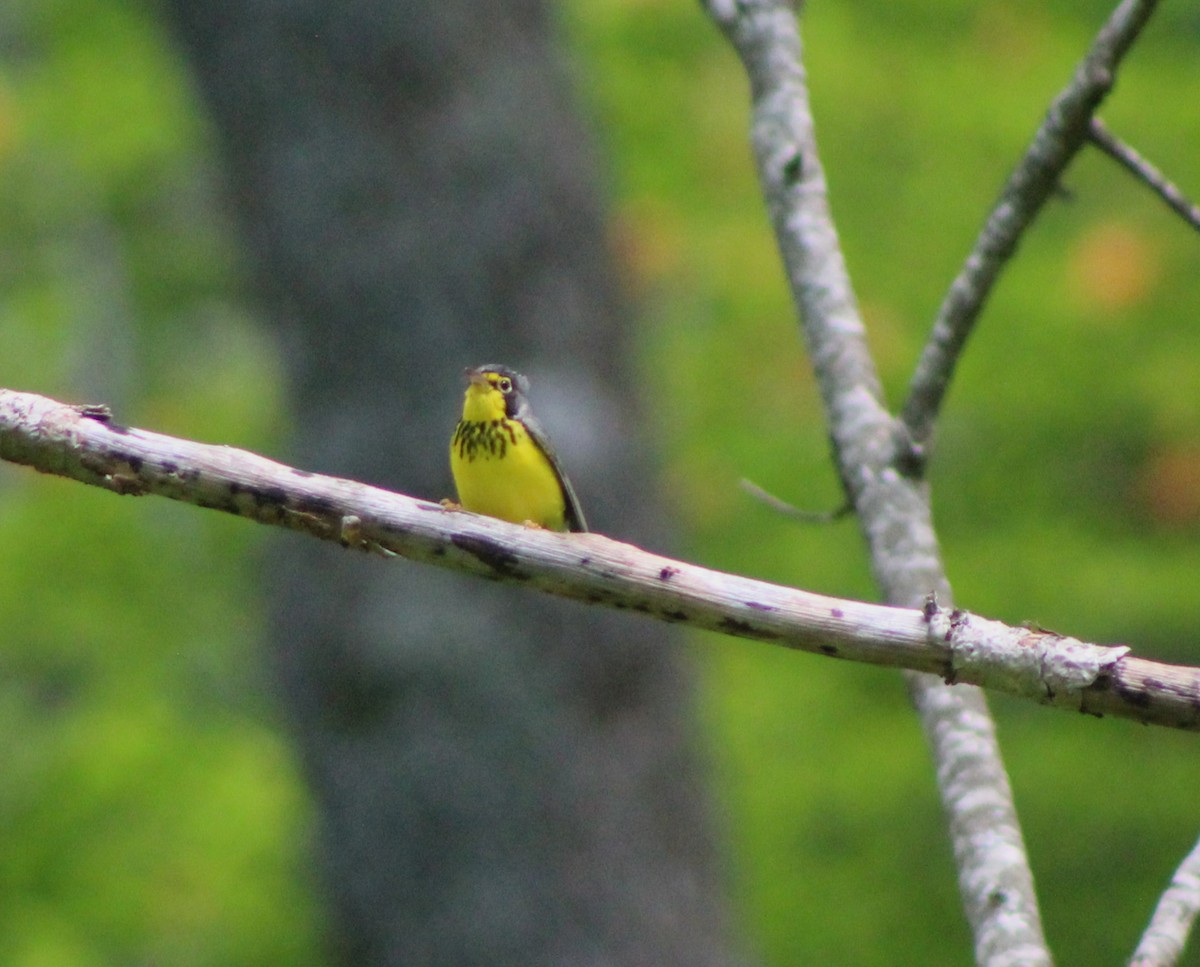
503,463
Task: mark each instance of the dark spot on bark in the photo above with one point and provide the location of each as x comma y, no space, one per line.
910,460
759,606
667,573
736,627
837,613
489,553
675,615
1136,697
829,649
96,411
310,505
793,169
275,497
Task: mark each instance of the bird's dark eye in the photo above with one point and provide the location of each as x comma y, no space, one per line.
504,384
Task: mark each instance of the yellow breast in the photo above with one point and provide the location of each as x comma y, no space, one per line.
500,471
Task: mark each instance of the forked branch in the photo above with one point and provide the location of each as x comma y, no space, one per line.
872,453
1065,129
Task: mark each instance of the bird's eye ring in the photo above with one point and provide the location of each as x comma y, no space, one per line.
504,384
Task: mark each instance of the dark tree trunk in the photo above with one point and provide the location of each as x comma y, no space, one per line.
501,778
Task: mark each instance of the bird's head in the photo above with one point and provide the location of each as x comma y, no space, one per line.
493,393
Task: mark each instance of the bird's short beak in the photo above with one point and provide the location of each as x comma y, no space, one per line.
475,377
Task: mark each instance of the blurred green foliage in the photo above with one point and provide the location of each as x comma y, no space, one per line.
150,806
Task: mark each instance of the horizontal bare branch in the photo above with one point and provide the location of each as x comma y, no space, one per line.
85,444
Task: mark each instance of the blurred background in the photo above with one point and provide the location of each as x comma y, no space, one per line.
152,802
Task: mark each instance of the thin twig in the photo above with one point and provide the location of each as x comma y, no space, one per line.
1163,942
1103,138
1034,180
790,510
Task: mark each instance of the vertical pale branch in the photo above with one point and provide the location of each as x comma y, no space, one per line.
1164,939
1063,132
892,505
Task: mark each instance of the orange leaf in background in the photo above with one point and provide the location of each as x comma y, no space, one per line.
647,242
1112,267
1169,486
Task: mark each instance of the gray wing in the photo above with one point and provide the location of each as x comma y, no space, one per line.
572,514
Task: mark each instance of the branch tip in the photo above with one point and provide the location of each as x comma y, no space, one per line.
1102,137
789,510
